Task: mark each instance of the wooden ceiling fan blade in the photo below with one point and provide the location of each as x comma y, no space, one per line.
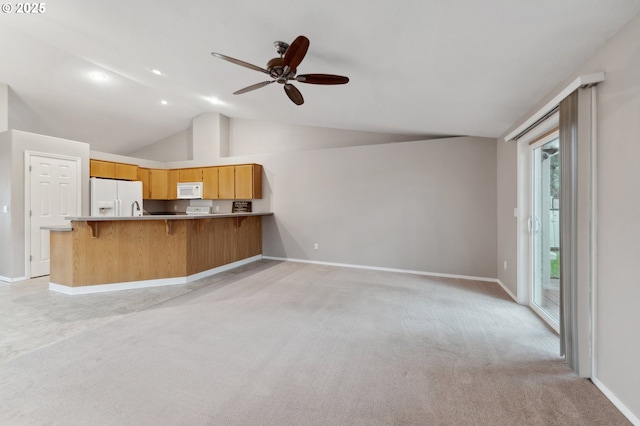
253,87
295,53
294,94
239,62
322,79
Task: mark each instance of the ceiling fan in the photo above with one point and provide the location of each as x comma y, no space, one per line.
283,69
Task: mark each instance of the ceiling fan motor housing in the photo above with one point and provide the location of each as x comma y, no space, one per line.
277,71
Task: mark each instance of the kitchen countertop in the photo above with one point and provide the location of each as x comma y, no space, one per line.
164,217
63,228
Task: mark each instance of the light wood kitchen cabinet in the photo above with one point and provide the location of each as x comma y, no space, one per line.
235,182
102,169
172,189
143,175
248,181
158,184
111,170
226,182
126,171
155,183
190,175
210,183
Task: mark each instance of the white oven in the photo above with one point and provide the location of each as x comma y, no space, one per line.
189,190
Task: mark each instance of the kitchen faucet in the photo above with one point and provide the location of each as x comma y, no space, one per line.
135,207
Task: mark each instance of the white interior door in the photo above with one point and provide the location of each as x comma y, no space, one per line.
53,195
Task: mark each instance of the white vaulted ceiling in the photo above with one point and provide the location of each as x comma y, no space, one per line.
417,67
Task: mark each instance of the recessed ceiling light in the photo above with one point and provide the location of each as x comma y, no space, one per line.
164,102
156,71
98,76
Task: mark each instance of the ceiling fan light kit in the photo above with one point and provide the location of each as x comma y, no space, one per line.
283,69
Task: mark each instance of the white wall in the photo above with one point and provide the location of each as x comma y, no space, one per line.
13,237
176,147
247,137
426,206
214,136
617,344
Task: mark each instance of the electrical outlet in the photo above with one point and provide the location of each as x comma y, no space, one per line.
505,265
5,209
175,207
217,208
315,246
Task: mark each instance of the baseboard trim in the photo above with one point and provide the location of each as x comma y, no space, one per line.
379,268
132,285
12,280
615,401
504,287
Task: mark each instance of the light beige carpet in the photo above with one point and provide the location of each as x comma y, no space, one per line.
296,344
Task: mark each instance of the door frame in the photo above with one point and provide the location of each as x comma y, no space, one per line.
27,197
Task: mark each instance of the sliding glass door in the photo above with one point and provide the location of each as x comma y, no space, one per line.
544,229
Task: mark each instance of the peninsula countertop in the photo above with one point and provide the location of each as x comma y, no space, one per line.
183,216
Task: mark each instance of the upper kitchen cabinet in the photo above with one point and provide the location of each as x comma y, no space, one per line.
210,183
234,182
111,170
226,183
172,190
241,182
190,175
102,169
126,171
248,181
158,184
155,184
144,176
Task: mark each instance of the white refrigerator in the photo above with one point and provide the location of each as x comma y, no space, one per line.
116,197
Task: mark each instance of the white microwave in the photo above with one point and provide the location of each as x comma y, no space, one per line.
189,190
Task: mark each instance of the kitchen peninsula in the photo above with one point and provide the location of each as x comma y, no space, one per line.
97,254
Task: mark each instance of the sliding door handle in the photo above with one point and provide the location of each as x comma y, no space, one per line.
533,225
